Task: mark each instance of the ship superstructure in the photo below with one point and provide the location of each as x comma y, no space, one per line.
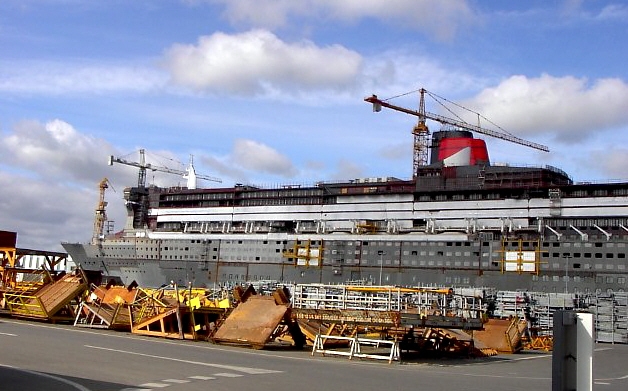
460,221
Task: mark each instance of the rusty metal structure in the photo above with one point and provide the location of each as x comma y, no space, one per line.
168,313
354,320
178,313
8,240
258,320
16,279
54,301
357,321
349,320
502,335
107,307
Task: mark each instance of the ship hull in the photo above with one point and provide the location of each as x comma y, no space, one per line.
455,261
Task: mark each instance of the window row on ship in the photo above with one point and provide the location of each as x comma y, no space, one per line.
395,262
599,280
614,225
157,244
240,250
316,196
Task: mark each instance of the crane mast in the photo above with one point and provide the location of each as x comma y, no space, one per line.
101,214
421,132
421,138
190,174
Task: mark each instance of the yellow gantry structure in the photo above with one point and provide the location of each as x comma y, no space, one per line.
520,260
305,254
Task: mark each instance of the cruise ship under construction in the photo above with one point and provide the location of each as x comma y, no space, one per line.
460,222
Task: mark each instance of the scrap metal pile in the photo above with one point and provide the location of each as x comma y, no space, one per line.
380,322
413,320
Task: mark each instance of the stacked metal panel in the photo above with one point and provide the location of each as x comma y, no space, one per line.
543,306
510,303
611,317
610,310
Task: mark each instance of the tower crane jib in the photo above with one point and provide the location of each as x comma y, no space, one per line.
189,173
421,132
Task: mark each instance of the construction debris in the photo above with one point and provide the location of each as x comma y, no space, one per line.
354,321
107,307
611,317
174,315
258,320
358,321
502,335
359,347
17,280
169,313
52,302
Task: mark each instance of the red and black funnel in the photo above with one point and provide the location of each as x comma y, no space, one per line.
453,148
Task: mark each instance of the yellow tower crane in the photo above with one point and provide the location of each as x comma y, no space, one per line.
101,213
421,131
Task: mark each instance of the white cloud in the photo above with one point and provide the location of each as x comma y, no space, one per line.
438,18
346,169
254,63
258,63
44,214
610,162
263,13
397,71
55,150
258,157
397,151
55,170
579,11
567,107
56,77
225,168
613,12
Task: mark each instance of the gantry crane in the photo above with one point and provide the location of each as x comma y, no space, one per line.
421,131
101,213
190,174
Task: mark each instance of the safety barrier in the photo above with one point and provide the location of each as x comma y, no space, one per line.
355,347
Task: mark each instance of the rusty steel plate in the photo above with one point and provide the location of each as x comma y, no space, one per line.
252,322
495,335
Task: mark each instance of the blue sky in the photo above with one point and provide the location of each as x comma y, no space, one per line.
271,92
